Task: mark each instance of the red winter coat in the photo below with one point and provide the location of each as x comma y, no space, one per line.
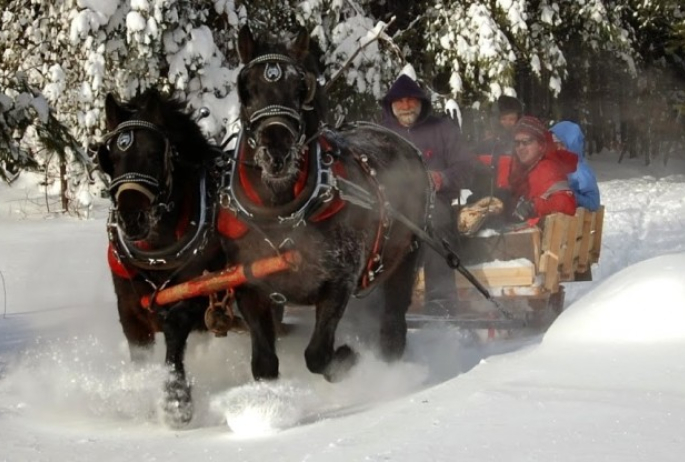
545,183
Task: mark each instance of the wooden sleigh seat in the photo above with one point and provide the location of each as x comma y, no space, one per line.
524,268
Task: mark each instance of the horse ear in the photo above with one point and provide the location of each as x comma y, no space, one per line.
246,44
300,46
153,106
114,112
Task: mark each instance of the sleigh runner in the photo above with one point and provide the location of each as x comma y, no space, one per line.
523,269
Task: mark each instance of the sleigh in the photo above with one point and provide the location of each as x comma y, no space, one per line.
523,269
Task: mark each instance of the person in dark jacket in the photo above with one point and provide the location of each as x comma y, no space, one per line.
407,111
494,153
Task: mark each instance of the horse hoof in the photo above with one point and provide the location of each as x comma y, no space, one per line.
343,360
265,367
178,405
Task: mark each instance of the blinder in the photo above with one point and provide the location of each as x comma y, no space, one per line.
124,136
277,114
100,151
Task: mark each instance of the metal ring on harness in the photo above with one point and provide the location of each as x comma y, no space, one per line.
278,298
319,181
170,257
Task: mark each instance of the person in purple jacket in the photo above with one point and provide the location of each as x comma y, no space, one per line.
408,112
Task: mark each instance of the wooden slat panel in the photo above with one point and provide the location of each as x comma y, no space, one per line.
552,275
584,252
596,246
500,276
570,255
554,239
537,249
507,246
554,244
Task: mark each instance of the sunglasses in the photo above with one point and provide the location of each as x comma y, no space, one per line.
524,143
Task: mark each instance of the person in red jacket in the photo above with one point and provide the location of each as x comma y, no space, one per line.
538,176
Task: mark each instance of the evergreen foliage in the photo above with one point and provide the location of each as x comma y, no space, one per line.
574,59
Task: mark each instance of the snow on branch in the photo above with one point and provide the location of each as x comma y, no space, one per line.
378,35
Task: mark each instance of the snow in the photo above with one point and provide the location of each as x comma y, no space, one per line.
604,383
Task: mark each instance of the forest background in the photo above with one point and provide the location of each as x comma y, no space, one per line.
617,67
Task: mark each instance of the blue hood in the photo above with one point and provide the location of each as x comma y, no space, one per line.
570,134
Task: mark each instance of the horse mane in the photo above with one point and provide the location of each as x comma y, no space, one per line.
169,114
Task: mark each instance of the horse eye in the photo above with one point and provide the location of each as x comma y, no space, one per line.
125,140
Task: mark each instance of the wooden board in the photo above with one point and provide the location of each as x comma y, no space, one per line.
596,246
500,276
570,245
570,257
508,246
588,224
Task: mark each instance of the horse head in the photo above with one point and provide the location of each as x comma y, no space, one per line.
147,138
280,105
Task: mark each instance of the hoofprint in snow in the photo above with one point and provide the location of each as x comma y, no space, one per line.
602,384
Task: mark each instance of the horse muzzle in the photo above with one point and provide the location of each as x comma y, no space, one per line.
277,149
134,210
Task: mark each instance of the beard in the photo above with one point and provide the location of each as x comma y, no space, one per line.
407,117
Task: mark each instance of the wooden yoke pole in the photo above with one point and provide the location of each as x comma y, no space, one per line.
225,279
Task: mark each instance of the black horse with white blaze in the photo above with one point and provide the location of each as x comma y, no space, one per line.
333,196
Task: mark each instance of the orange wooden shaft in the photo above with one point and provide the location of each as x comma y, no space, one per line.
225,279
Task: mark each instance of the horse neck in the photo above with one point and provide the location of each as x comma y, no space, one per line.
184,203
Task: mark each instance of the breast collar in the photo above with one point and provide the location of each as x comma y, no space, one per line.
322,194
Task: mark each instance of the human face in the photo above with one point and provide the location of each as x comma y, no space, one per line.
557,142
528,149
508,120
407,110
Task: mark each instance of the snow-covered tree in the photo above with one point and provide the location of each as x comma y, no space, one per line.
31,137
481,44
75,51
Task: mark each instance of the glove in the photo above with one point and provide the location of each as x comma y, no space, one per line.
437,179
524,210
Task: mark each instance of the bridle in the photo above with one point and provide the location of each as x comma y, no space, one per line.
256,121
319,181
159,193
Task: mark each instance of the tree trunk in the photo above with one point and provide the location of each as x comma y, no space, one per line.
63,185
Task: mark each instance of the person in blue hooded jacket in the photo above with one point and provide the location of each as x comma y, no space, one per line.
583,181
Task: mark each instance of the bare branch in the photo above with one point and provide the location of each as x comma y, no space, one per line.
357,51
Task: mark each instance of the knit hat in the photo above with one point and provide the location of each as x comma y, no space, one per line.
533,127
508,104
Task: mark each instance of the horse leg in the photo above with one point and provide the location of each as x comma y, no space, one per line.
136,324
398,290
256,310
320,356
177,323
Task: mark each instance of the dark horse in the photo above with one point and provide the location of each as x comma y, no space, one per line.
160,226
331,195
